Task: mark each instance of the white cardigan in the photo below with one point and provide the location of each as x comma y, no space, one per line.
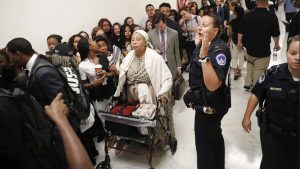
158,71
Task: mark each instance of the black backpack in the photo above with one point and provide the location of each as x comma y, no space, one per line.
78,101
37,128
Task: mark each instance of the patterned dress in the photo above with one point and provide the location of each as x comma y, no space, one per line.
137,74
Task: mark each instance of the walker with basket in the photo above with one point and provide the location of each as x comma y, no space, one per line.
144,123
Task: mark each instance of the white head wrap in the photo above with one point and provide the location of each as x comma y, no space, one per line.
145,35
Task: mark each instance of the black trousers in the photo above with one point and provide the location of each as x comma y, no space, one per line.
209,141
279,152
289,15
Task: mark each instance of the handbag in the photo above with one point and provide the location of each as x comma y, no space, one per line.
179,87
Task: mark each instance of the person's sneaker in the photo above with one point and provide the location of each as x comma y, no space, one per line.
235,77
247,88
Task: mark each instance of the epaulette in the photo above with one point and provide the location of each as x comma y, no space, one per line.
272,70
217,49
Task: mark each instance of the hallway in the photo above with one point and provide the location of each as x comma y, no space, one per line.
242,149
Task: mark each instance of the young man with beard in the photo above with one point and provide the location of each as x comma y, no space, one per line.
11,141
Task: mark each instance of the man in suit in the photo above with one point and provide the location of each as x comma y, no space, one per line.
47,84
165,41
222,11
165,8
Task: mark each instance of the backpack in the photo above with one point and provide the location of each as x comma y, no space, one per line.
78,101
37,128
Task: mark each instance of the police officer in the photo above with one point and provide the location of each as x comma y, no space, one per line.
277,90
207,94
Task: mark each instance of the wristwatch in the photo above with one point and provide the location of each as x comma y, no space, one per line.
205,59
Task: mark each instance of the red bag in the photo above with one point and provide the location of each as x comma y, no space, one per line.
125,110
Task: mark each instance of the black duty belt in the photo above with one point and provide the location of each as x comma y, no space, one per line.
203,105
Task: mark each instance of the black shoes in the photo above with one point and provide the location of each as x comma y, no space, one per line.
247,88
237,73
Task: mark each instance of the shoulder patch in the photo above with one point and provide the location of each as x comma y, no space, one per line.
221,59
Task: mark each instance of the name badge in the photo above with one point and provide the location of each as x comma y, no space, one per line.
276,89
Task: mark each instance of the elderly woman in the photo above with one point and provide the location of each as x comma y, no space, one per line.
144,71
146,74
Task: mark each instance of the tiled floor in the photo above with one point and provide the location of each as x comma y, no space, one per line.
242,149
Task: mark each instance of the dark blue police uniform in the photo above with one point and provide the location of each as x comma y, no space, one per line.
208,133
279,132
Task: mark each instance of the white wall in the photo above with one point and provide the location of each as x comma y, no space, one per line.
36,19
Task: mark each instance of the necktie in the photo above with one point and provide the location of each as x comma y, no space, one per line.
26,75
220,13
162,44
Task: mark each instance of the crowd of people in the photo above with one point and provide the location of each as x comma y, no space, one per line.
141,62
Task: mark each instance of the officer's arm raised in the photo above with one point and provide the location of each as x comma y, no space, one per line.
210,77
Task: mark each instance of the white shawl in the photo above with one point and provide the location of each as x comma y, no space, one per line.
158,71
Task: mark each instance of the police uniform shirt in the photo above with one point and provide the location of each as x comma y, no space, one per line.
220,58
278,84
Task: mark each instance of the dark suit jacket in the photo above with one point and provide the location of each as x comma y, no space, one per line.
173,25
47,83
223,13
44,85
